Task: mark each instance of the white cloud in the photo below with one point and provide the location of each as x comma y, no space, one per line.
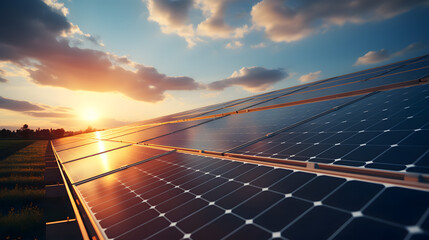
58,6
372,57
310,77
234,44
259,45
381,55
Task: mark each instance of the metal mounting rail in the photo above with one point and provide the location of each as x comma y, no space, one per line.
412,180
85,235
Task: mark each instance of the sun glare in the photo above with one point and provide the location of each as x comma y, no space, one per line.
90,115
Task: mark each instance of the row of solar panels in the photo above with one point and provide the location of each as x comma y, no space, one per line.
373,119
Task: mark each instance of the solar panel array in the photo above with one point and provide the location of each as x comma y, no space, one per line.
342,158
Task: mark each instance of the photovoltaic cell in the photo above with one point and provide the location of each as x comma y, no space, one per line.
158,131
234,130
183,196
87,150
99,164
74,144
384,131
356,83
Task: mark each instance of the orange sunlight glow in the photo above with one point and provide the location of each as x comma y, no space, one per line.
89,114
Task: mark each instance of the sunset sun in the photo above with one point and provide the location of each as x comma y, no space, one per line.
90,114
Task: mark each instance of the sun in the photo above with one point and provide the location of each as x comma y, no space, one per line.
90,114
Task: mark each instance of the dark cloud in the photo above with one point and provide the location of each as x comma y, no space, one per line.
173,17
173,12
35,110
284,21
29,29
15,105
103,123
3,80
50,115
253,79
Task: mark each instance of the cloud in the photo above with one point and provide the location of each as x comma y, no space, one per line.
234,44
3,80
259,45
284,22
253,79
15,105
310,77
35,110
103,123
32,36
214,26
373,57
173,17
50,114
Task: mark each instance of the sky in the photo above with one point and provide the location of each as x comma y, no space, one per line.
105,63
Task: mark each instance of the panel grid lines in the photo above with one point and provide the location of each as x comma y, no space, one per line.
171,174
373,119
356,127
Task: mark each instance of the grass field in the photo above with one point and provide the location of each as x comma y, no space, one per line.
9,147
22,191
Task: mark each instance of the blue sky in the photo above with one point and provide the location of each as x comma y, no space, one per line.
183,54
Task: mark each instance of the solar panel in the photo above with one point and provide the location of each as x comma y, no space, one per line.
356,83
341,158
94,166
231,131
87,150
158,131
184,196
74,143
384,131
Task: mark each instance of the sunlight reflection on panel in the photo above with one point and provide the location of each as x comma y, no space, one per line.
104,158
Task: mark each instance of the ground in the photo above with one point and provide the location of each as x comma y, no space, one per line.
22,164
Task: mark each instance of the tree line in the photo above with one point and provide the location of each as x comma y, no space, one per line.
26,133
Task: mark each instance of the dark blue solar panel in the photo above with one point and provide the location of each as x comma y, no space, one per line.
385,131
182,196
231,131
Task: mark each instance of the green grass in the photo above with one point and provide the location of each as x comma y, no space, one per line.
22,189
9,147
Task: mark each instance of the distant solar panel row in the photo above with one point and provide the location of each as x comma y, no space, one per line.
137,192
386,131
